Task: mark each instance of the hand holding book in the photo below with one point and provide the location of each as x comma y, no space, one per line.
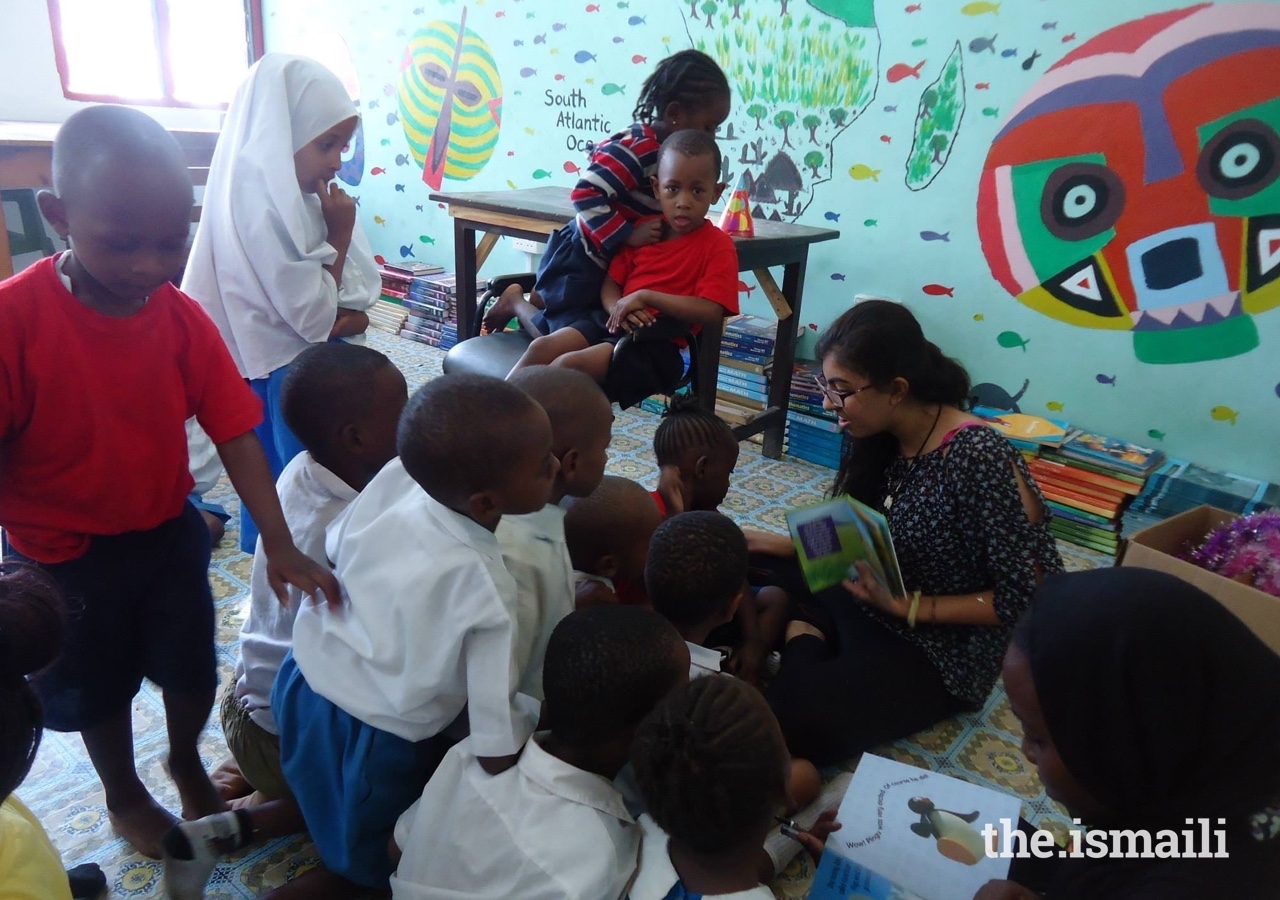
872,591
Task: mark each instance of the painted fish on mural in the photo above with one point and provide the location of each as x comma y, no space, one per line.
609,89
939,290
1105,379
978,45
863,172
1155,434
899,71
1011,339
1030,60
935,236
1055,406
1224,414
837,276
979,8
831,216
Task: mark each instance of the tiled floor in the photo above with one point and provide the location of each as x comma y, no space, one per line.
64,792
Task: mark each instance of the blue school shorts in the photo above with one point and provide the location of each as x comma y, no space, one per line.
139,606
352,781
569,283
279,443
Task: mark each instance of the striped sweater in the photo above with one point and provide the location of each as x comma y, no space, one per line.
614,190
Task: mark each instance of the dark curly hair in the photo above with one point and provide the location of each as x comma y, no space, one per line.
710,763
32,623
687,429
697,564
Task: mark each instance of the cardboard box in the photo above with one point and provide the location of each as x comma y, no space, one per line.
1155,548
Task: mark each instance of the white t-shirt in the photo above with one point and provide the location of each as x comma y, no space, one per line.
703,660
657,876
427,624
311,497
537,557
542,830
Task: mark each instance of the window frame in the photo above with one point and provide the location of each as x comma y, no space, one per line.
160,16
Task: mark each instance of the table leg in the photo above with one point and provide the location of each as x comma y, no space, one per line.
784,355
464,263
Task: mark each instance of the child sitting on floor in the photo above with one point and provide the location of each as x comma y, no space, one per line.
427,626
685,281
608,536
343,402
712,767
554,826
102,361
533,545
696,453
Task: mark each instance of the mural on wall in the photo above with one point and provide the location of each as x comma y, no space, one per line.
937,123
802,73
450,101
1134,187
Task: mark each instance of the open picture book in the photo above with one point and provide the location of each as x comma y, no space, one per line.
912,834
830,537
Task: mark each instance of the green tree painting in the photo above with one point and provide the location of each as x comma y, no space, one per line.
757,111
813,123
814,160
709,9
784,120
937,123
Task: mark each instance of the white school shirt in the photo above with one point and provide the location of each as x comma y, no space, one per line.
426,625
657,876
703,660
542,830
257,262
534,552
311,497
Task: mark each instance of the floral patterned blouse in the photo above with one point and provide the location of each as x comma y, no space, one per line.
959,527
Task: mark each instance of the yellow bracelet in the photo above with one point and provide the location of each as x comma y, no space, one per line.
914,608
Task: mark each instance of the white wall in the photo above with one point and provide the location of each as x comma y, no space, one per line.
30,90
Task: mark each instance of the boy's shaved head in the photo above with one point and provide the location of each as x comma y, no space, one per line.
617,517
102,142
574,402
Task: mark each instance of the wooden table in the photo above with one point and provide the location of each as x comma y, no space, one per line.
26,161
535,213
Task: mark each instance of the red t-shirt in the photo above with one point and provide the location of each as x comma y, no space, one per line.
702,263
93,411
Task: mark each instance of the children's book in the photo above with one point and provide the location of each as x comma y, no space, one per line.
1023,428
830,537
912,834
1111,452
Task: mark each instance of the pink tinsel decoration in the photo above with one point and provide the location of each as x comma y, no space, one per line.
1246,550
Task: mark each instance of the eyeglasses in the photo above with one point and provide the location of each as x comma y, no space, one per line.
838,398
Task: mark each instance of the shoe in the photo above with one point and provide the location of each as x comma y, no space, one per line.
86,881
192,850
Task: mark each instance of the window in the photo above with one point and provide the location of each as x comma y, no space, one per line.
154,52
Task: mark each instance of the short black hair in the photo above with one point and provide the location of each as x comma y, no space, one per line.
32,624
566,395
689,430
95,140
710,763
326,387
697,564
606,667
460,434
690,142
616,513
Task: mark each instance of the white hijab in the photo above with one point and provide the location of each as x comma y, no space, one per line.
256,265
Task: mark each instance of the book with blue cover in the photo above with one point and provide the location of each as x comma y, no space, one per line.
1111,452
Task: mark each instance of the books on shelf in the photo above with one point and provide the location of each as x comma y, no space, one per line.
912,834
1111,453
830,537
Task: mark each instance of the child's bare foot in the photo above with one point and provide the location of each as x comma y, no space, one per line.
228,780
199,796
803,785
503,311
142,824
795,628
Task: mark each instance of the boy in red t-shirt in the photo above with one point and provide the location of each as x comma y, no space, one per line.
102,361
686,280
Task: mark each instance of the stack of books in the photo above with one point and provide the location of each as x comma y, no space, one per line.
432,301
746,362
1026,432
397,278
812,432
1088,482
1179,485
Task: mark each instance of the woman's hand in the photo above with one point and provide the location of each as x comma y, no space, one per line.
871,591
629,313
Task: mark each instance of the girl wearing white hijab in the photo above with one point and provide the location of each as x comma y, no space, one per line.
278,261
